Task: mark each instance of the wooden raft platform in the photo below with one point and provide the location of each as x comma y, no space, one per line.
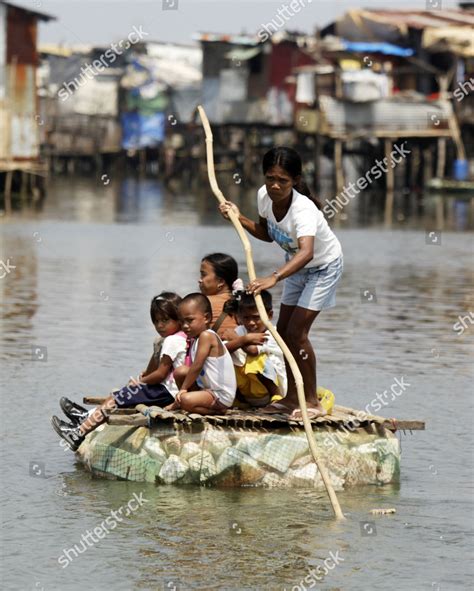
341,417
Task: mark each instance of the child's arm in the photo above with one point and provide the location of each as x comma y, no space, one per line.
206,341
159,374
152,366
255,341
249,343
236,343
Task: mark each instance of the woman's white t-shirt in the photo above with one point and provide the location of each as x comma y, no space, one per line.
302,219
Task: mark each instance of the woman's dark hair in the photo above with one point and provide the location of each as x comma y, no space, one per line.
290,161
225,267
241,300
165,305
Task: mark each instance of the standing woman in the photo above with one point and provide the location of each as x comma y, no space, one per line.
292,217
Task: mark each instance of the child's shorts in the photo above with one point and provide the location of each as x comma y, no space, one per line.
313,288
248,383
153,395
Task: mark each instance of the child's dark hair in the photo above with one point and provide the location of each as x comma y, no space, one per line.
225,267
201,300
241,300
290,161
165,305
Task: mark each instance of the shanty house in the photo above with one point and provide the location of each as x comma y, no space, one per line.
19,119
246,80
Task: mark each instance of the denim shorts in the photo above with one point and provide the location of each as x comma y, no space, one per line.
313,288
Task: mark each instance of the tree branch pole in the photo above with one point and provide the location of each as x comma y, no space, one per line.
264,316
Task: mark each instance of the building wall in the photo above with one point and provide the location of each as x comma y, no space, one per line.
4,141
18,113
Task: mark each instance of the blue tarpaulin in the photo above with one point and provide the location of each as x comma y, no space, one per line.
385,48
142,131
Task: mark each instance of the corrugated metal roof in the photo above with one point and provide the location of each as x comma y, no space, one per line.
221,38
42,16
419,19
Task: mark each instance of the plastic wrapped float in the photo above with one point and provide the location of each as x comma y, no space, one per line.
244,449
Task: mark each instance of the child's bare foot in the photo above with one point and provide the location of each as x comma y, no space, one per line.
173,406
313,413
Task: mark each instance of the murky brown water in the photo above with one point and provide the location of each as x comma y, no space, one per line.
75,322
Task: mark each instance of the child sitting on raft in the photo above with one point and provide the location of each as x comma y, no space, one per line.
258,360
208,386
155,386
218,280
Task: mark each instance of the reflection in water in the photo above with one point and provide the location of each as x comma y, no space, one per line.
148,200
18,291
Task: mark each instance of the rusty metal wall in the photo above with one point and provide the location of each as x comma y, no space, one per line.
18,112
4,141
21,37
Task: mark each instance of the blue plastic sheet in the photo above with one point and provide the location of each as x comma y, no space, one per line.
142,131
385,48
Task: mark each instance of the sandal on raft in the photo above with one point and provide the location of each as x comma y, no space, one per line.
313,413
275,408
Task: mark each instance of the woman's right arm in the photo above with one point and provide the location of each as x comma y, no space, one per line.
257,229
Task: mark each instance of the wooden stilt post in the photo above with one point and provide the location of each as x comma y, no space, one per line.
427,165
317,161
441,161
8,192
24,187
338,163
390,184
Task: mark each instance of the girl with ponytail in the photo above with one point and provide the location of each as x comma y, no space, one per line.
290,216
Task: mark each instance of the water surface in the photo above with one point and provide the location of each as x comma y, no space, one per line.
75,322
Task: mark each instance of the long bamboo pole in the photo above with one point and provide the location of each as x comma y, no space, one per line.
266,321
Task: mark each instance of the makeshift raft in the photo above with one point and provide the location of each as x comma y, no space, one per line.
148,444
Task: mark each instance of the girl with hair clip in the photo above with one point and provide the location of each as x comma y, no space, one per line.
218,280
292,217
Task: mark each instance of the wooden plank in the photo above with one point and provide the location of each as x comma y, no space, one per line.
124,411
342,415
94,400
405,424
136,420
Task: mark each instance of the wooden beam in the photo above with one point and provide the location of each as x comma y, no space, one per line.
390,184
338,165
95,400
402,425
8,192
136,420
441,161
